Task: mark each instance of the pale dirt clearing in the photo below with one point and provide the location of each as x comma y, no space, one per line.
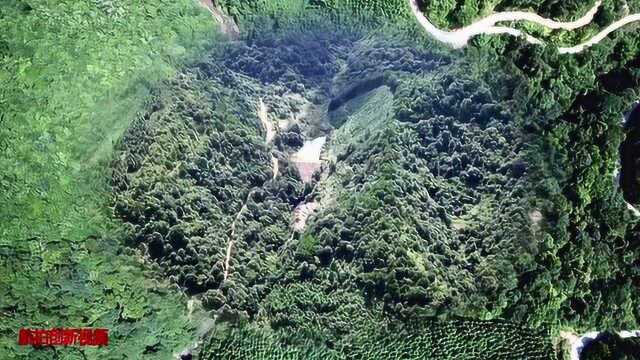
274,166
310,151
301,213
307,159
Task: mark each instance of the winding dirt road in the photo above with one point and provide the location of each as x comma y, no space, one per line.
459,38
601,35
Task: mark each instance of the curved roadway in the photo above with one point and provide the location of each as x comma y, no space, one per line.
459,38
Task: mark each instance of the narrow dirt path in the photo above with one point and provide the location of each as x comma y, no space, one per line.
459,38
269,134
233,235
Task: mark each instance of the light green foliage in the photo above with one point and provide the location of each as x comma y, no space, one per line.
307,322
307,246
73,74
438,11
390,9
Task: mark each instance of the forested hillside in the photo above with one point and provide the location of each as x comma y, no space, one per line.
574,265
406,200
462,204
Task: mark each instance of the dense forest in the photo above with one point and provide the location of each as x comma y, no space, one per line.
466,205
407,222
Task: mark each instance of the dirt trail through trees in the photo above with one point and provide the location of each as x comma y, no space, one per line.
233,235
459,38
264,118
269,134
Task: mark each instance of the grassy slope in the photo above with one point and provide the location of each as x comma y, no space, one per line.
73,74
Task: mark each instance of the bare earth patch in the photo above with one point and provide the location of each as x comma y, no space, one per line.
307,159
301,213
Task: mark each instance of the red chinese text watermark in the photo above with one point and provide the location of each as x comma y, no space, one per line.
63,337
